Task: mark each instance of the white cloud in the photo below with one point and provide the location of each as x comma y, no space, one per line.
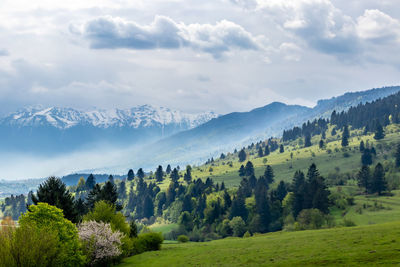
376,25
163,32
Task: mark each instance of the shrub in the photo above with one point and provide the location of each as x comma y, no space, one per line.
238,226
147,242
49,219
101,244
183,239
310,219
348,223
106,213
247,234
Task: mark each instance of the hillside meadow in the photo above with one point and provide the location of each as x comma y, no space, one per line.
370,245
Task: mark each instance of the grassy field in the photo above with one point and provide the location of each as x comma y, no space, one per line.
373,245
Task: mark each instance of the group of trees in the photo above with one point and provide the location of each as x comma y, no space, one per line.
372,182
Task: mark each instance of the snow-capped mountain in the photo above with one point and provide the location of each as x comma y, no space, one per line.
57,130
136,117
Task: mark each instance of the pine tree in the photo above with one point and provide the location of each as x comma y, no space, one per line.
174,175
238,208
148,207
398,155
159,174
269,175
378,181
364,178
90,182
307,140
242,155
262,205
281,191
366,157
379,132
266,152
249,169
362,146
168,169
242,171
281,149
316,196
321,144
188,175
131,175
260,152
345,136
122,190
227,200
333,132
54,192
222,188
111,179
140,173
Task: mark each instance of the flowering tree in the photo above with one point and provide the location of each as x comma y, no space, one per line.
100,242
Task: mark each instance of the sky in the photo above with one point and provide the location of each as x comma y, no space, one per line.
194,56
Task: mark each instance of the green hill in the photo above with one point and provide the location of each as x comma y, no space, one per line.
373,245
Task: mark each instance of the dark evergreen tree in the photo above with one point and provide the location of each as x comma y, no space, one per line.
140,173
242,155
168,170
362,146
378,182
227,200
188,174
242,171
317,192
345,136
122,190
364,178
148,207
379,132
159,174
333,132
80,209
222,188
238,208
260,152
252,181
131,175
281,149
299,191
111,179
366,157
90,182
262,205
249,169
321,144
222,156
281,191
266,151
269,175
307,140
174,175
54,192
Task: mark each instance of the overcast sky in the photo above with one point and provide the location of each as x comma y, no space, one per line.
191,55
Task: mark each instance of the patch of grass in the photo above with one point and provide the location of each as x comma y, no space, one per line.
354,246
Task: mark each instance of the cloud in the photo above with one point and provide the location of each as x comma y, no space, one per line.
375,25
4,52
164,33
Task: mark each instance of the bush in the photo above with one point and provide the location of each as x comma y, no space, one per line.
310,219
45,220
238,226
106,213
348,223
247,234
147,242
101,244
183,239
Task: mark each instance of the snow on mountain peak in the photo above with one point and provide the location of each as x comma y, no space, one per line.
136,117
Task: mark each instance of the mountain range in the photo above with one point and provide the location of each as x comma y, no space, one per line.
162,136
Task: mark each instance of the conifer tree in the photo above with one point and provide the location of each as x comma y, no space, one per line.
174,175
249,169
307,140
168,169
379,132
362,146
281,149
238,208
281,191
269,175
266,152
366,157
242,171
131,175
378,182
122,190
321,144
159,174
111,179
345,136
364,178
260,152
242,155
188,174
90,182
140,173
262,205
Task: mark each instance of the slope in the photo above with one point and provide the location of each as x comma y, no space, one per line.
366,245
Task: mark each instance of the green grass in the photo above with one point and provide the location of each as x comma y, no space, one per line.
373,245
163,228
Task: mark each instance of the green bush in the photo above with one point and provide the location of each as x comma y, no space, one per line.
147,242
43,221
183,239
